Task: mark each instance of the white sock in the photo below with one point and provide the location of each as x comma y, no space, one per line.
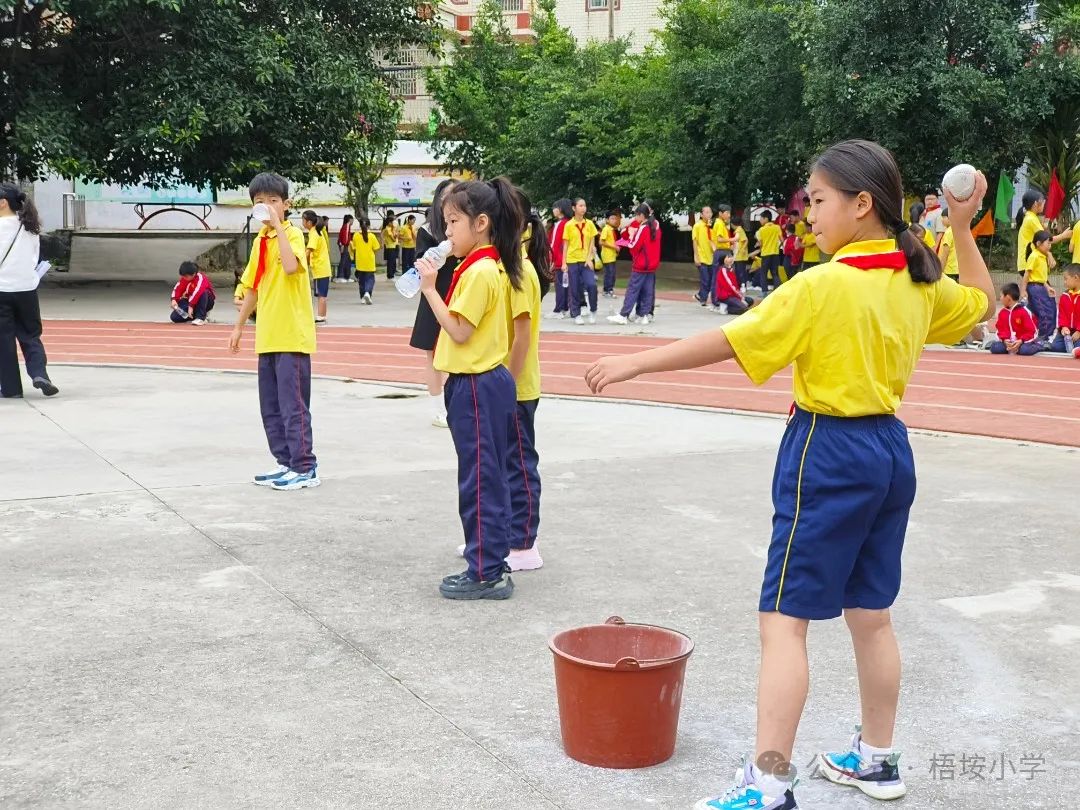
769,784
439,403
871,754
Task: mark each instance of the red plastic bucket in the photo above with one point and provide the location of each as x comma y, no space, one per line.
620,690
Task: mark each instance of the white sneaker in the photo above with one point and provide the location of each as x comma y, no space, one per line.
644,320
579,321
526,559
296,480
198,322
367,298
722,309
617,319
592,317
461,550
320,320
440,421
268,478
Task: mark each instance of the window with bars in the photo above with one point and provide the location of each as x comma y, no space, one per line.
514,5
601,5
407,82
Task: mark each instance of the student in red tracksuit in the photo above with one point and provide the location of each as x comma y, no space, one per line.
193,296
728,295
1068,322
643,234
1016,329
562,211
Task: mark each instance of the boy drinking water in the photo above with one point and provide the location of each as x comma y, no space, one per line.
276,280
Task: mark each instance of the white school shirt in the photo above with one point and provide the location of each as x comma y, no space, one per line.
18,273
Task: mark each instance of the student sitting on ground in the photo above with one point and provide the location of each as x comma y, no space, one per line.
193,296
1067,337
729,297
1017,333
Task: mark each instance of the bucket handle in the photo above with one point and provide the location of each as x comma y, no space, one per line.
615,620
627,664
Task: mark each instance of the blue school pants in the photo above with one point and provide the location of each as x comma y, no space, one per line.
582,282
562,291
480,411
285,404
523,474
640,292
1042,305
842,491
609,277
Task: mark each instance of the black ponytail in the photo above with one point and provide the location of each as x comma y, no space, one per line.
500,201
539,252
650,219
1031,196
857,166
23,206
564,207
364,223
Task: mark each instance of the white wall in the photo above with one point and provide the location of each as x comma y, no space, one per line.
636,19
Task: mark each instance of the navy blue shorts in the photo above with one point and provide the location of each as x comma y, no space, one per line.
322,287
842,491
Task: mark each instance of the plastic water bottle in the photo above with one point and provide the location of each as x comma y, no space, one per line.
408,283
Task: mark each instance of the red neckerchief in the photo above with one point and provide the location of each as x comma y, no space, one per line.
894,260
932,208
260,268
581,231
487,252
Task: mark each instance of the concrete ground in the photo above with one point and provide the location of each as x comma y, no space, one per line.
176,637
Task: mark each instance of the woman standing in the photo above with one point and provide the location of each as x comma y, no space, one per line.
20,314
425,331
344,239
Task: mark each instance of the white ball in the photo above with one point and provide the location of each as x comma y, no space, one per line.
960,181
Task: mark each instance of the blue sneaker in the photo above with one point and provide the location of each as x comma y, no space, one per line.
266,479
294,480
879,779
745,795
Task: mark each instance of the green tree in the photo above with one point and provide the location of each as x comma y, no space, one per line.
367,148
938,83
201,91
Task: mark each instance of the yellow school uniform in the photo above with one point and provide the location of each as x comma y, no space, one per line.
326,239
1037,269
853,335
525,301
811,251
390,237
928,239
952,267
801,229
363,251
608,255
578,236
408,236
239,293
320,254
1028,228
742,244
770,235
721,238
703,236
1074,243
480,297
286,321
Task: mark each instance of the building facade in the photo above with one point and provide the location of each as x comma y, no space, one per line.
634,20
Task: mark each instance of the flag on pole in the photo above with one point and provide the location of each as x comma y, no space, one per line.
1055,197
1005,193
985,226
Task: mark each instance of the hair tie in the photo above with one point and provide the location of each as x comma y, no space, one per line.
900,227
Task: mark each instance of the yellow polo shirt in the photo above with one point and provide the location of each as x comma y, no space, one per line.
389,235
770,235
525,301
1074,243
742,244
408,236
951,267
1028,228
480,298
853,335
703,236
363,251
1037,269
721,239
320,256
608,255
286,322
811,251
801,229
578,236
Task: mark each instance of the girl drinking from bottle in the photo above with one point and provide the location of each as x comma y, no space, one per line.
845,479
484,225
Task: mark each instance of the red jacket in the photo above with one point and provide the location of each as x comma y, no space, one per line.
1016,324
193,288
344,236
727,286
644,247
1069,311
792,249
557,244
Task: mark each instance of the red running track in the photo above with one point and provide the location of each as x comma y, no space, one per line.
1028,399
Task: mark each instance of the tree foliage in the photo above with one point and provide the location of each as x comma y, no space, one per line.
191,90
